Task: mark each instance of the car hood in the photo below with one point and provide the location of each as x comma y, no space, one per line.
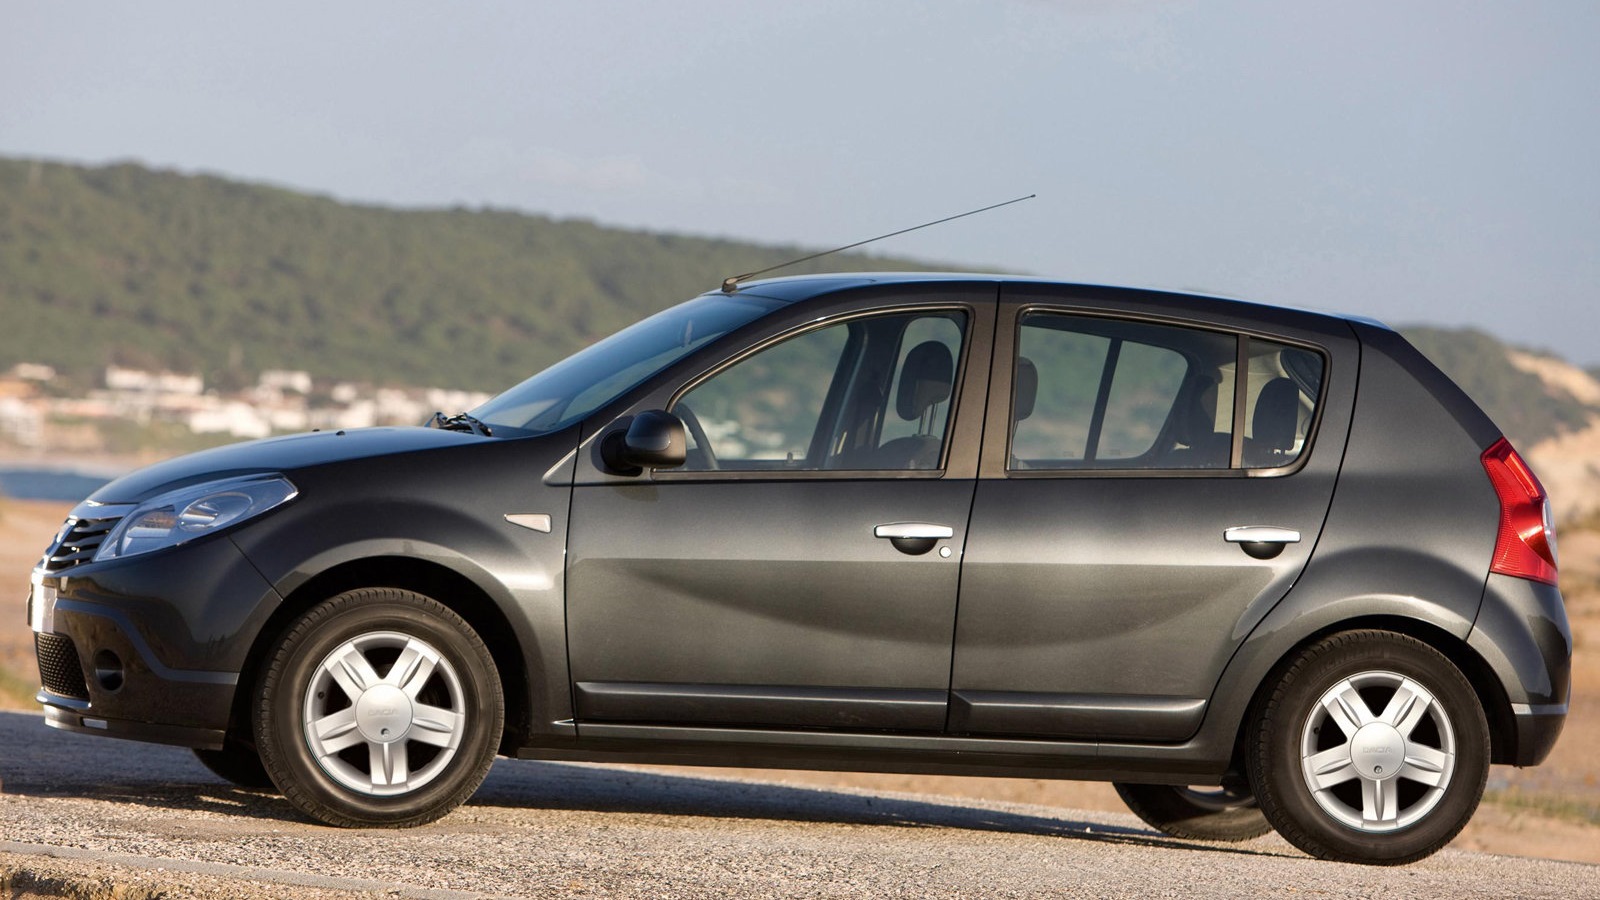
278,454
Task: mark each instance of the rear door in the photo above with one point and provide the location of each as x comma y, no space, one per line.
1137,514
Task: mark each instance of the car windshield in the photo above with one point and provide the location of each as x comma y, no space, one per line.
602,372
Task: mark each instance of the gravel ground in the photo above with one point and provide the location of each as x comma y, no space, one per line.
92,813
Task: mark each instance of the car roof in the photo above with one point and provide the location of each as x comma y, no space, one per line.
796,288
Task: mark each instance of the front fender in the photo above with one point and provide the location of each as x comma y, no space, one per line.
517,570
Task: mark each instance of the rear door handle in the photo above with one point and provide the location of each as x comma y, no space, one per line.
914,538
914,531
1261,541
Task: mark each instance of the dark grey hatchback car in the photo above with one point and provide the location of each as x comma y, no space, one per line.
1257,566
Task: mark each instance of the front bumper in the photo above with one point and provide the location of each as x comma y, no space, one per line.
149,648
99,676
57,716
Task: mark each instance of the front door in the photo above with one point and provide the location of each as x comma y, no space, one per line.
800,571
1152,488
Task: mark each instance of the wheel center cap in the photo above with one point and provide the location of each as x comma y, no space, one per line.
383,714
1378,751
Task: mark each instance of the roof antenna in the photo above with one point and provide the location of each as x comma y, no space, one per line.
729,285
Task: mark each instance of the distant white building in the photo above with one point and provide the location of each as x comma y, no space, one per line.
451,402
288,418
21,422
33,372
400,407
140,381
233,417
360,414
286,380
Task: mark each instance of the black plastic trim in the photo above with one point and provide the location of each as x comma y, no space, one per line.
881,752
767,705
74,720
1088,716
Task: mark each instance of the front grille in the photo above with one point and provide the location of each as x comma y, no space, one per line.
77,542
59,669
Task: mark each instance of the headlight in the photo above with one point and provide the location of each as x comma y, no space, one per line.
187,513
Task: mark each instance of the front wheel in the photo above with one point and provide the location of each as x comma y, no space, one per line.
1196,813
380,707
1371,747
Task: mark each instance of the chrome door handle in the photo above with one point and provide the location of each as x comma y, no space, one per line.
914,531
1265,534
915,538
1261,541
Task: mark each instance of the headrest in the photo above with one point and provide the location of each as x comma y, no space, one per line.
925,379
1199,419
1277,415
1027,389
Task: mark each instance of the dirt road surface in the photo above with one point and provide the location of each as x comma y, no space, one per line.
151,819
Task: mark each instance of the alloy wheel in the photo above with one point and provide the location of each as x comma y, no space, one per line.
1378,751
384,713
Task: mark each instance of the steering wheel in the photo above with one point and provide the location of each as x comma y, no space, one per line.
692,422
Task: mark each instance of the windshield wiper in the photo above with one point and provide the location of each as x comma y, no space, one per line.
460,422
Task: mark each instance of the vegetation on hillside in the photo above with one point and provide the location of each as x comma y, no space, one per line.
153,269
195,273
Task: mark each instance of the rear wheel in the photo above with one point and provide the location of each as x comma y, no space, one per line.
380,707
1372,747
1197,813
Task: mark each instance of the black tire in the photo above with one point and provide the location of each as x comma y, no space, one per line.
407,702
1339,710
237,763
1202,814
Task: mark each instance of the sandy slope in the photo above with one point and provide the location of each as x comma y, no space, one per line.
1569,467
1558,374
1524,820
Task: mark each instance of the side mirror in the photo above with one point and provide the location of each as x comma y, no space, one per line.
654,439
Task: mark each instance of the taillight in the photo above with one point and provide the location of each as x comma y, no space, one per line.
1526,544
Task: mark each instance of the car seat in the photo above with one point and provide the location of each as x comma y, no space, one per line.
925,381
1273,425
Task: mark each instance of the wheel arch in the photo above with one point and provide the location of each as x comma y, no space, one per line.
1479,674
447,586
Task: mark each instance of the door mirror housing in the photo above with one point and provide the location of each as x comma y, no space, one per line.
655,439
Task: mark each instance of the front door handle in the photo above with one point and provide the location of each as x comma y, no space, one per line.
1261,541
914,538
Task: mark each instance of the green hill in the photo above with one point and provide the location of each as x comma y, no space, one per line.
125,264
155,269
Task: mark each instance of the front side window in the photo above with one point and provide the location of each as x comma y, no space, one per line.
870,394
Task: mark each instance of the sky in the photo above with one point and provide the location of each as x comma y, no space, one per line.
1431,162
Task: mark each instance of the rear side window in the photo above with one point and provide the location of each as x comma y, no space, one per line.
1282,390
1097,393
